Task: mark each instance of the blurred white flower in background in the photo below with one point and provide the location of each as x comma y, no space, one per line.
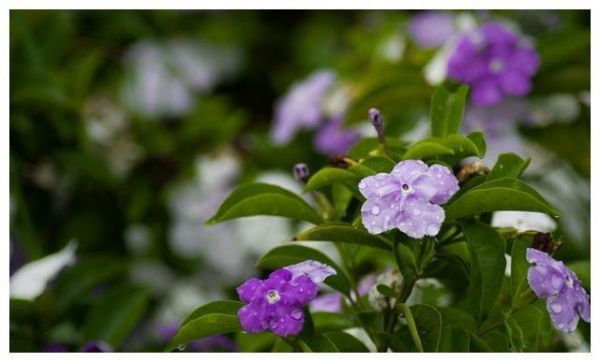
164,77
31,279
523,221
107,126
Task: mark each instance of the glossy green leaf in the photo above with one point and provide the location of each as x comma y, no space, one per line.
343,233
450,149
328,322
429,327
205,326
114,316
264,199
406,261
447,110
505,193
345,342
524,328
329,176
508,165
486,248
519,267
379,164
230,307
395,343
454,339
292,254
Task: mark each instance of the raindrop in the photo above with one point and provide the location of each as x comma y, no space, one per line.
181,347
432,229
296,314
556,308
375,210
416,211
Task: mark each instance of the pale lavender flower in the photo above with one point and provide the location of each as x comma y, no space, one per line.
567,300
301,108
330,302
495,62
333,140
408,198
277,303
431,29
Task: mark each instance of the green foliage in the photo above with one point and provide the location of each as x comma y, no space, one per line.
486,248
447,111
264,199
114,315
506,193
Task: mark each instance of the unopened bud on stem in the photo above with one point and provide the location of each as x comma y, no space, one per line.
301,172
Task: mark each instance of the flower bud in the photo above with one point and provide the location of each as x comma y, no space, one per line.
301,172
376,120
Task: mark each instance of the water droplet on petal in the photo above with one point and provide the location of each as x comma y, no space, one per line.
375,210
377,230
556,308
362,185
416,211
297,314
432,229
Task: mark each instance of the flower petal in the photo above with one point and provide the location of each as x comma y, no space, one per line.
443,182
379,213
514,83
486,93
247,291
317,272
562,311
251,318
420,218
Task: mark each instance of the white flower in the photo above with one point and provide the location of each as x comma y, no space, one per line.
31,279
523,221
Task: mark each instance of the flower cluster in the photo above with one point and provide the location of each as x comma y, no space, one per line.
495,62
302,108
277,303
567,300
408,198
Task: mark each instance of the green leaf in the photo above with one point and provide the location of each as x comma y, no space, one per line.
454,339
230,307
345,342
497,341
264,199
395,343
292,254
582,269
205,326
447,110
505,193
255,342
363,148
379,164
519,267
429,327
524,328
486,248
343,233
424,252
385,290
406,261
329,176
328,322
114,315
449,149
508,165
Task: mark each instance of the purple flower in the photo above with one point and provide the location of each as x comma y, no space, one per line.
95,346
495,62
567,301
333,140
408,198
277,303
431,29
301,108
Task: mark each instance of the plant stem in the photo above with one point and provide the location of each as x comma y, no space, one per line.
412,327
